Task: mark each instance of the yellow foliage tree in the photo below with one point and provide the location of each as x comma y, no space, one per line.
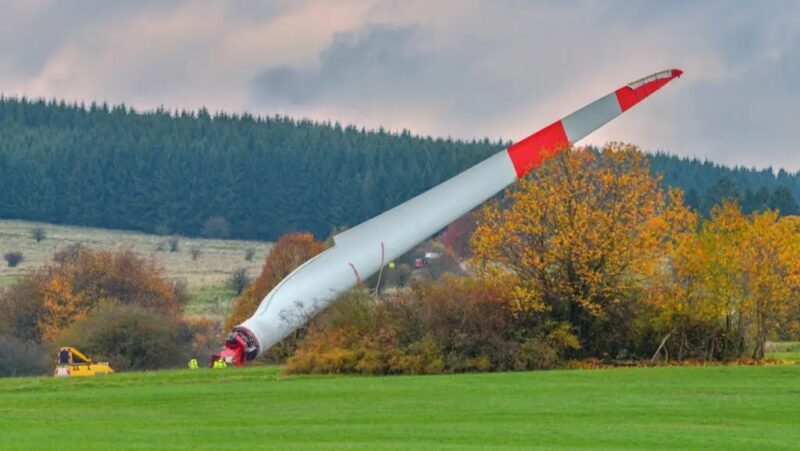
702,294
771,264
62,305
731,283
582,234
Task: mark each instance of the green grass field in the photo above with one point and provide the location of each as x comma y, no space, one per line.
255,408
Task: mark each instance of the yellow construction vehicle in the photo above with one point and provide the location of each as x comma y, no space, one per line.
71,363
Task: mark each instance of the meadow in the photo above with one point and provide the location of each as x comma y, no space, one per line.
205,276
257,408
786,350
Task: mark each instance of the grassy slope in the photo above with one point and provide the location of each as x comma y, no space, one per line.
205,276
217,260
714,407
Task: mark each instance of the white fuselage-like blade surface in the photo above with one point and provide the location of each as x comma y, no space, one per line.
358,253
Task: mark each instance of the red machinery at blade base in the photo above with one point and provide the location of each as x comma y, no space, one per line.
239,348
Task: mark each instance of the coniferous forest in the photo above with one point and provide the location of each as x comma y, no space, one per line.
242,176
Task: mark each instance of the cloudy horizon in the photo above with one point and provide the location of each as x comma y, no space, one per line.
463,69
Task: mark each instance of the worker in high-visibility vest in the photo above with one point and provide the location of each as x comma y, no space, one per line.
193,364
222,363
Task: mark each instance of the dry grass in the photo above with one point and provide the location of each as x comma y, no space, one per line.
218,258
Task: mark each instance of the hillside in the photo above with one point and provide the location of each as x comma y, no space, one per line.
255,408
120,169
205,276
258,178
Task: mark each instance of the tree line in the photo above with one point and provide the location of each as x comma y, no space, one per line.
244,176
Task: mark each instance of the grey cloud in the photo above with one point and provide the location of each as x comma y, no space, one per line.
751,119
27,43
355,68
390,68
254,11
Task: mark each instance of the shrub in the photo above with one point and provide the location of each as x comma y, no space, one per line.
38,234
285,348
180,292
128,337
354,310
23,358
13,258
249,253
195,252
545,351
535,354
468,318
421,357
58,294
68,253
174,243
457,324
216,227
22,307
343,339
339,351
238,280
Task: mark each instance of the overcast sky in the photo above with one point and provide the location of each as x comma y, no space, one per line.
445,68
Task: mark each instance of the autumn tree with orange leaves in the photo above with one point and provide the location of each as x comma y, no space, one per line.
84,278
582,234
